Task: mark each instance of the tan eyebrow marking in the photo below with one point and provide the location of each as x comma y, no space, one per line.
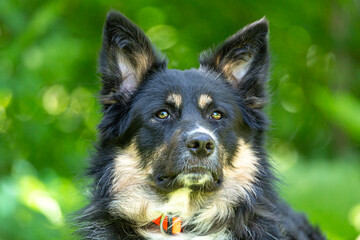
204,100
175,98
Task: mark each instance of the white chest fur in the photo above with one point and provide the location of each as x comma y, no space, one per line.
179,205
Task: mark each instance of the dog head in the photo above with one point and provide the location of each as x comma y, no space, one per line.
197,129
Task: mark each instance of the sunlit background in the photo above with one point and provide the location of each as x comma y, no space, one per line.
49,111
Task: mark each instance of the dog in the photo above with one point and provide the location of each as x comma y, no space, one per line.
181,154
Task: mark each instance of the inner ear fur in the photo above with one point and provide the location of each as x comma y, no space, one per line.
127,55
243,60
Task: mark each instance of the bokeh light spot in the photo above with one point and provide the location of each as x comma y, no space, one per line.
69,121
330,61
5,97
149,16
33,58
284,154
55,100
34,195
354,217
8,195
312,56
81,101
4,121
163,36
292,96
298,38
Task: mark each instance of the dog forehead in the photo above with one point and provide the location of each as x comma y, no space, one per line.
177,86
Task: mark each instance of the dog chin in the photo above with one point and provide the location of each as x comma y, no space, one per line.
204,181
198,181
190,179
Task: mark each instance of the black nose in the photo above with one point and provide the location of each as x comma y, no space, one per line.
200,144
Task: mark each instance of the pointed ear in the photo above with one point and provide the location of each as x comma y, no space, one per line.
243,60
126,57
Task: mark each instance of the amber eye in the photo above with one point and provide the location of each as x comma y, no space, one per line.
163,114
216,115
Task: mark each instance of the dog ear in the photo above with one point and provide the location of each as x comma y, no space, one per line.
243,59
126,57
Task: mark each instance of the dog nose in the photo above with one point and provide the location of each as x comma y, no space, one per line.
200,144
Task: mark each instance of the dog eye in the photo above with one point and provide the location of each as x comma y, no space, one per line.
216,115
163,114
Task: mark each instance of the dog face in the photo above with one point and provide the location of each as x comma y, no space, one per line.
198,129
185,132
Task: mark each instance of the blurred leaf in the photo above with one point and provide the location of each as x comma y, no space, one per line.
342,108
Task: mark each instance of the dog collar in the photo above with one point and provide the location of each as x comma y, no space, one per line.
169,225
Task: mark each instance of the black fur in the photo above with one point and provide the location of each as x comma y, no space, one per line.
136,87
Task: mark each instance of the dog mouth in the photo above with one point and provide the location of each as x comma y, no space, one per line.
197,178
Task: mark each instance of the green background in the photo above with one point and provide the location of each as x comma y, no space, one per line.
49,111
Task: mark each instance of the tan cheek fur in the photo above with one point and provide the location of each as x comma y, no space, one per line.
133,197
244,167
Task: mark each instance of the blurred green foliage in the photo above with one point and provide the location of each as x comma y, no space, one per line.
49,111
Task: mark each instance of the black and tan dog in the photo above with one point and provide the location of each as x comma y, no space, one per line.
181,153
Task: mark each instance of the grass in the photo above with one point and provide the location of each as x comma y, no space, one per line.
328,192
